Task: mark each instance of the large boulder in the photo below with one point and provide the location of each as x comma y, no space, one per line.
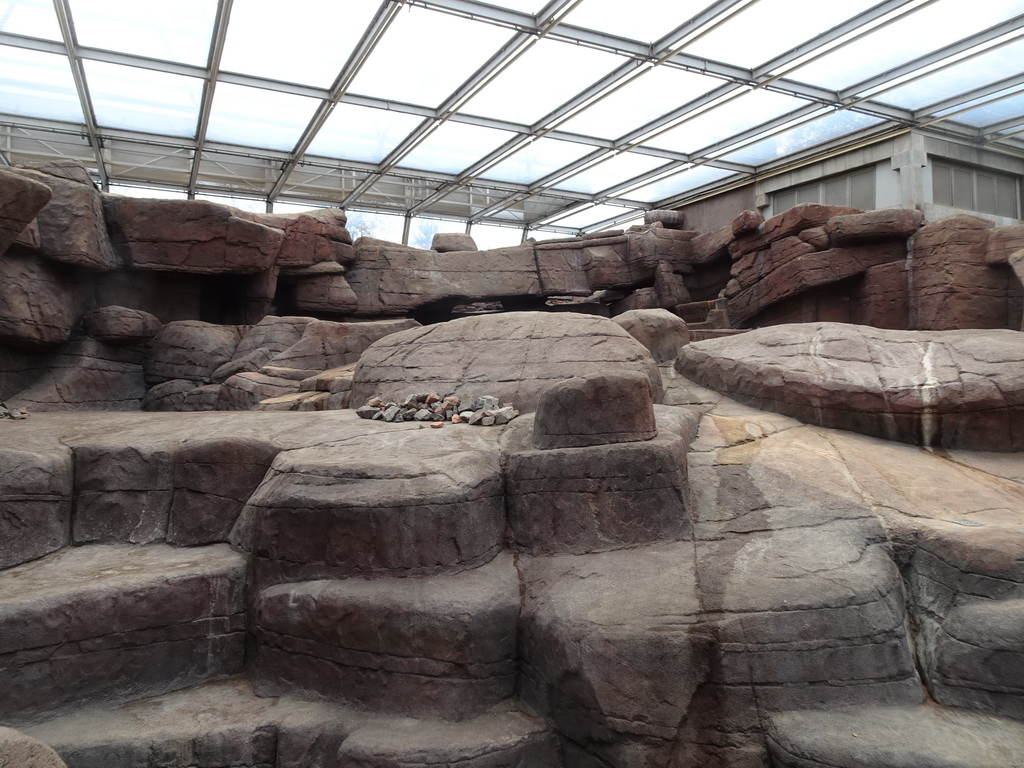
120,325
514,356
190,236
952,389
37,303
21,198
72,229
20,751
325,344
191,349
662,332
311,237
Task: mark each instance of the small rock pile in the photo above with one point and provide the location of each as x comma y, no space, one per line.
6,412
437,409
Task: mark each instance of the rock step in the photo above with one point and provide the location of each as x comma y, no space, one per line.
226,724
979,657
117,622
697,333
493,740
443,646
895,737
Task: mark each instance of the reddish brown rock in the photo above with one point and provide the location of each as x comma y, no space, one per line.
126,622
882,299
712,245
212,481
191,349
800,268
311,237
37,303
321,288
747,222
120,325
872,226
194,236
1002,243
72,229
21,198
667,218
427,647
36,485
445,242
952,285
514,356
595,409
816,236
660,331
325,344
952,389
801,217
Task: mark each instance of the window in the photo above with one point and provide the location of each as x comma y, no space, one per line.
976,190
856,190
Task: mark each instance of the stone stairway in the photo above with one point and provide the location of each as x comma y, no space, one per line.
707,319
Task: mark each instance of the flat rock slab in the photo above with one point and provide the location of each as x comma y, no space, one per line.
106,623
217,724
513,356
405,500
441,646
895,737
493,740
952,389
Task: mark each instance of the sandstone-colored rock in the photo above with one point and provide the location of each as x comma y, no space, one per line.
667,218
72,229
191,349
514,356
20,751
445,242
660,331
947,389
120,325
21,198
194,236
243,391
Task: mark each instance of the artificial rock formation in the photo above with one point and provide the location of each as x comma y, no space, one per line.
706,564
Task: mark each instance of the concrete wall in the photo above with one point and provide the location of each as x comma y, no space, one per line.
720,210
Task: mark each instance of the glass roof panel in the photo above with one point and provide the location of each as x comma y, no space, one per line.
735,116
639,101
34,18
487,236
514,95
303,52
989,111
229,172
425,56
742,40
677,184
37,84
383,226
803,136
973,73
537,159
363,134
455,146
591,215
134,162
151,28
611,172
932,27
643,20
532,7
258,118
149,192
137,99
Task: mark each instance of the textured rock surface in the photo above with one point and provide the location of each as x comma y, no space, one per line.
20,751
191,349
194,236
120,325
513,356
445,242
953,389
76,631
662,332
37,304
922,737
35,496
442,647
21,198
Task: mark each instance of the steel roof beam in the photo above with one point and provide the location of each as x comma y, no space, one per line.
67,31
963,98
220,31
368,42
